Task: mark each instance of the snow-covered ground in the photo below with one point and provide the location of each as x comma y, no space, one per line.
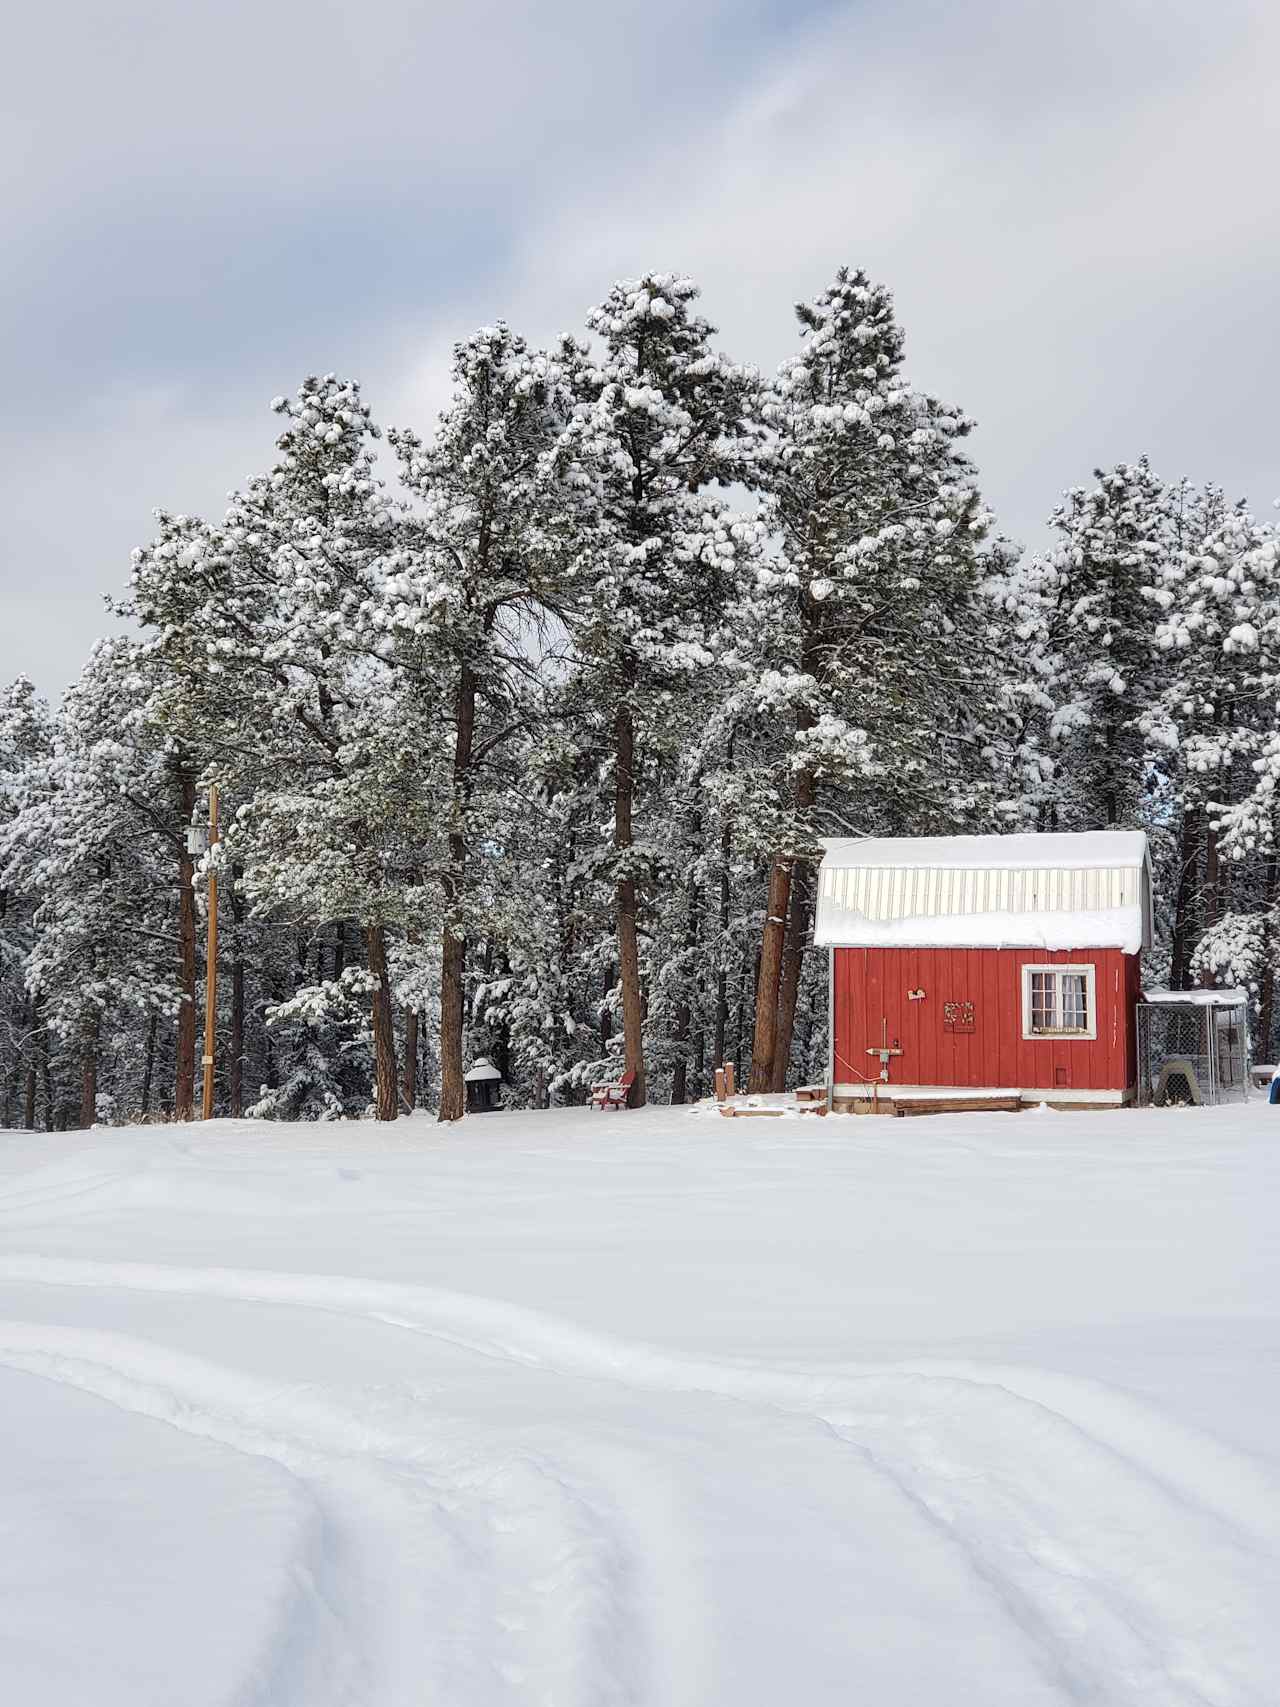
583,1409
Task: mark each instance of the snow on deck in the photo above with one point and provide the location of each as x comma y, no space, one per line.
643,1408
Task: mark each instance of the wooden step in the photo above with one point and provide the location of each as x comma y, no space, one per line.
957,1105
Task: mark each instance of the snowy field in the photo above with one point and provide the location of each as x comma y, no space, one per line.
580,1410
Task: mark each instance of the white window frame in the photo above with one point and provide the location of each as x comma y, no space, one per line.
1090,1032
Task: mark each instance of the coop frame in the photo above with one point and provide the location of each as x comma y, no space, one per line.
1208,1029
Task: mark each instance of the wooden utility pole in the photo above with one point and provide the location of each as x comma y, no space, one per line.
211,965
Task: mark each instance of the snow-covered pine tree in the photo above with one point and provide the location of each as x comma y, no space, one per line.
26,745
269,627
477,584
95,844
1113,538
1224,636
683,867
322,1045
542,734
1180,722
874,661
1022,670
659,417
544,995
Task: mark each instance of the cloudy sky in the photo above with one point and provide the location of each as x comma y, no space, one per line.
1075,203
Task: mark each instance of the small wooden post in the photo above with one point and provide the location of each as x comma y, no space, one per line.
719,1084
211,967
730,1088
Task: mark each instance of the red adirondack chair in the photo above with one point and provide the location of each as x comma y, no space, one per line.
613,1094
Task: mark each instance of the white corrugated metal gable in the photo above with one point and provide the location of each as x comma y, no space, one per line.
1088,890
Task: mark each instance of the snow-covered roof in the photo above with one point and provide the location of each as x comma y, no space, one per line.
1091,889
1079,850
483,1071
1199,998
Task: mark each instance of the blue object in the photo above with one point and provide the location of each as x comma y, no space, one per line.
1273,1095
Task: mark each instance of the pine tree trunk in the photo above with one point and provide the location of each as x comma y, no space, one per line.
799,912
1184,905
764,1048
46,1078
799,918
684,1008
1214,889
409,1073
606,1012
628,933
386,1094
30,1019
184,1094
29,1096
806,1047
453,1104
722,976
1267,997
13,1078
452,1016
89,1028
750,979
498,962
235,1066
680,1068
1215,880
148,1069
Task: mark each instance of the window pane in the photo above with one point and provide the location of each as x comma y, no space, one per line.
1075,1001
1058,1002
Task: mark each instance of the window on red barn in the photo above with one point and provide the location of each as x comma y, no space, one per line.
1059,1001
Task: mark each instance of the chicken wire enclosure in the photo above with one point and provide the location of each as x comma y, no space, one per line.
1192,1047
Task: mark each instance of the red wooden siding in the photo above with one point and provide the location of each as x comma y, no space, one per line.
871,985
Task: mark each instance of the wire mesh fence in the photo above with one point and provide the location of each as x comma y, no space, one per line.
1192,1052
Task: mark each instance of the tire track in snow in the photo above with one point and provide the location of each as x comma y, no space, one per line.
1201,1470
60,1184
277,1638
1137,1593
421,1541
654,1588
1139,1554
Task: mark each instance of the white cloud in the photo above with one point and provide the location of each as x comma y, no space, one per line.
1073,205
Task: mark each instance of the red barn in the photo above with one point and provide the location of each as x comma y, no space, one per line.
1000,966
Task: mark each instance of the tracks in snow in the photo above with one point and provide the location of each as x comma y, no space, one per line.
453,1568
1138,1558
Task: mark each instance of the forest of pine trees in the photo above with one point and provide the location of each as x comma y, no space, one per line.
526,729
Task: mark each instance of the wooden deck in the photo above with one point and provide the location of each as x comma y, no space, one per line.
909,1101
960,1105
